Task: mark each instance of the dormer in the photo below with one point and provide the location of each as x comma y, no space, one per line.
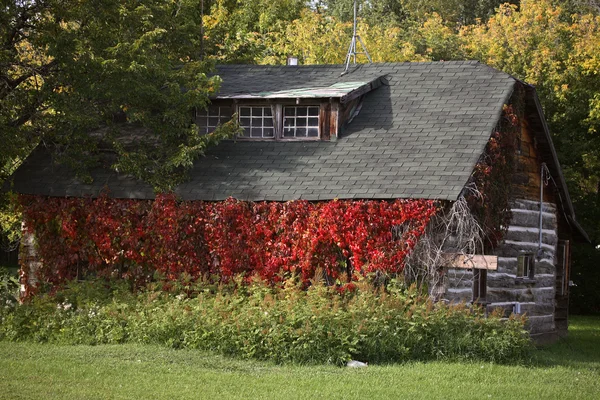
314,113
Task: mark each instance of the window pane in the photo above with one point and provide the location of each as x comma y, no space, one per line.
213,110
213,121
288,132
298,121
246,132
313,132
256,132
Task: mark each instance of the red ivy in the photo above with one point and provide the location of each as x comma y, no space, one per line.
132,239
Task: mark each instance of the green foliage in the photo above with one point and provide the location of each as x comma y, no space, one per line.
71,67
585,297
236,31
9,289
286,324
454,12
10,223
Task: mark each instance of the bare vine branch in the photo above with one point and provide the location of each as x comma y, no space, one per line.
455,231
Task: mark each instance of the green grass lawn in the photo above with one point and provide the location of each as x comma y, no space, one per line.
567,370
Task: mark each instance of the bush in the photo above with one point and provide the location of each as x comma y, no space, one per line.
9,288
284,324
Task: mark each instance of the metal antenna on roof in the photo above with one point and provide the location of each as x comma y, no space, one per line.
352,49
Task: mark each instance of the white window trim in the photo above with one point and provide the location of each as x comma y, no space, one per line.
261,118
222,118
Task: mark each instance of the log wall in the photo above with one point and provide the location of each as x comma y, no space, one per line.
505,290
28,257
535,297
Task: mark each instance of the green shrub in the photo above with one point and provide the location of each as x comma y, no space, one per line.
9,288
286,324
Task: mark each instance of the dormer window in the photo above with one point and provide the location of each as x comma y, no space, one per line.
257,121
300,121
279,121
289,111
211,117
266,121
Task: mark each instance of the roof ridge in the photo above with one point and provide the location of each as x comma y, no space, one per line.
473,61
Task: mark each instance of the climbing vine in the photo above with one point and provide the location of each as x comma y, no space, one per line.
134,239
490,188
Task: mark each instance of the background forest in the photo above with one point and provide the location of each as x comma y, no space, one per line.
69,66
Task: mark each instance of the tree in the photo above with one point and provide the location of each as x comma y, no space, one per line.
238,31
373,12
323,39
453,12
22,68
558,53
69,67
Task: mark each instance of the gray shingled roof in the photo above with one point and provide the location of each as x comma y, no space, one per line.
418,136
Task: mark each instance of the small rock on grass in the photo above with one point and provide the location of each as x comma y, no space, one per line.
356,364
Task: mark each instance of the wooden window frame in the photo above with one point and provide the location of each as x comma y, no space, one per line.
480,286
563,257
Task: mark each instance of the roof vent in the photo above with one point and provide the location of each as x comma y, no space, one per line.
292,60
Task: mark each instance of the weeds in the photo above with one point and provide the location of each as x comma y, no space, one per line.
287,324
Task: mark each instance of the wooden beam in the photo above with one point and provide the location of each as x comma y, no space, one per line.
325,120
471,261
360,91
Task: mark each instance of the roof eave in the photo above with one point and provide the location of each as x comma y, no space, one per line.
327,92
562,184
